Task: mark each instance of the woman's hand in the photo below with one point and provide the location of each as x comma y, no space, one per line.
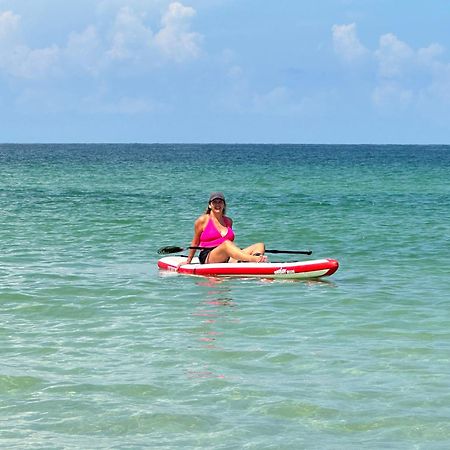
182,263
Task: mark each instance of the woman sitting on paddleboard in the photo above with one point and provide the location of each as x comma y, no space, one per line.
213,230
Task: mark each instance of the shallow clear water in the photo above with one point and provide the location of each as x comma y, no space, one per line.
100,350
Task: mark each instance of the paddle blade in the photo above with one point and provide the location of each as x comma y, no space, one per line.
169,249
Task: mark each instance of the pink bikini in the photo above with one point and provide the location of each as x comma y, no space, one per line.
211,236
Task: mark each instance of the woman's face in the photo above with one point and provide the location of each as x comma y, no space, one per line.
217,205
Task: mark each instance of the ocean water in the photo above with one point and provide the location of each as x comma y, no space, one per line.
99,350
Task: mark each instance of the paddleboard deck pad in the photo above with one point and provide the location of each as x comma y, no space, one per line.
300,270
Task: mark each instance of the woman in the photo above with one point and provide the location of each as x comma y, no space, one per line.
213,230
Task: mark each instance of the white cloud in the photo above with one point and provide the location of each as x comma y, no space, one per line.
420,73
404,76
226,60
428,55
439,88
346,43
102,45
36,63
391,95
131,38
9,25
84,50
393,56
175,40
16,58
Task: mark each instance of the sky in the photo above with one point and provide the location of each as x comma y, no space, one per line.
231,71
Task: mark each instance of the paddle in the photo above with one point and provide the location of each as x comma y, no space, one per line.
173,249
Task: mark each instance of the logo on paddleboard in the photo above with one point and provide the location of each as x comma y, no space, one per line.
283,271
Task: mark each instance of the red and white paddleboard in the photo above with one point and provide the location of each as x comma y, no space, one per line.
300,270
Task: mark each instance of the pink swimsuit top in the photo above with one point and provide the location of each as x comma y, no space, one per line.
211,236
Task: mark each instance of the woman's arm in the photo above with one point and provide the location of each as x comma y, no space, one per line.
198,229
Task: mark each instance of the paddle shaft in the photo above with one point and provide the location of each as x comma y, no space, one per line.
292,252
173,249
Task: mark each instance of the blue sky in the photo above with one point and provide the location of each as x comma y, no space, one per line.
285,71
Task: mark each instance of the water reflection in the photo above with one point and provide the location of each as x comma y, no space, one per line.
212,317
307,281
215,307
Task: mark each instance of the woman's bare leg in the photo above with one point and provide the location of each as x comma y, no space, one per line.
255,248
229,250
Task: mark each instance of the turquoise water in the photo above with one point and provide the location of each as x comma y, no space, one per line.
100,350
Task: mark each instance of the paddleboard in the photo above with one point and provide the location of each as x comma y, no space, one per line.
299,270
